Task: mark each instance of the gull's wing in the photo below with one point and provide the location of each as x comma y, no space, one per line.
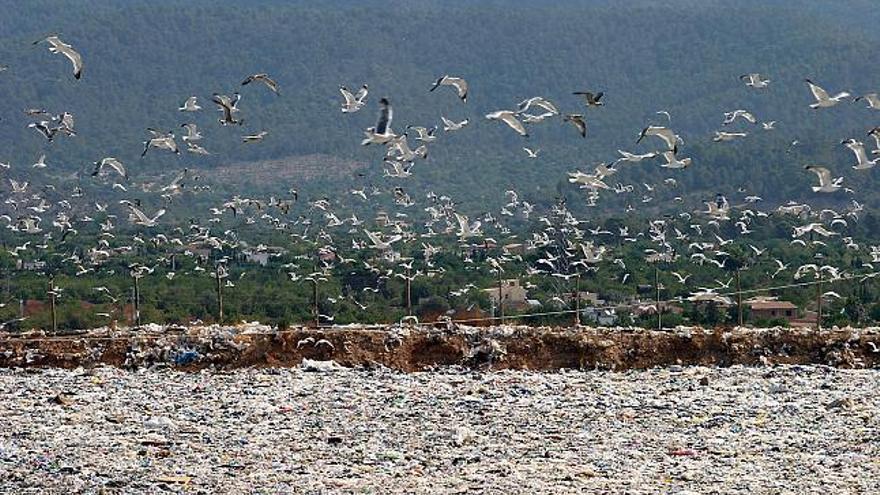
818,93
386,113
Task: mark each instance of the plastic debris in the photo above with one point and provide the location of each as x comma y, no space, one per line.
786,429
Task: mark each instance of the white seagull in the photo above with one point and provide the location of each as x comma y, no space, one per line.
465,228
728,136
875,133
112,163
162,141
254,138
823,100
381,133
262,78
664,133
229,107
58,46
138,217
827,184
509,118
858,148
450,126
531,153
379,244
730,117
353,102
41,162
673,161
458,83
872,99
537,101
626,156
190,105
192,133
754,80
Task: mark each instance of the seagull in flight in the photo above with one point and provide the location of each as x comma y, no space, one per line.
353,102
875,133
44,129
827,184
591,99
450,126
138,217
41,161
730,117
754,80
254,138
196,149
190,105
578,121
537,101
465,228
262,78
626,156
111,163
160,140
229,107
378,243
664,133
873,100
509,118
458,83
858,148
721,136
381,133
531,153
823,100
58,46
673,161
192,133
424,134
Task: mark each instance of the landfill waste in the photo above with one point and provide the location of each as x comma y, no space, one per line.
674,430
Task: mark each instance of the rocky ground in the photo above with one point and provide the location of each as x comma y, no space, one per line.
319,428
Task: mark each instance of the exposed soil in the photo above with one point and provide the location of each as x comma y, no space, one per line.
416,349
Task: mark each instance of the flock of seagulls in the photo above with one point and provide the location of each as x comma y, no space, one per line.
549,249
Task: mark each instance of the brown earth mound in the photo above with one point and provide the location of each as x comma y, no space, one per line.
416,349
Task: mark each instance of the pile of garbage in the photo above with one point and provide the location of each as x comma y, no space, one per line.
324,428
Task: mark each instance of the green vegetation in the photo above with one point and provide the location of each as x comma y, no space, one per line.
685,56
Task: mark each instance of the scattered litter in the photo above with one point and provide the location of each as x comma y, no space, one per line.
320,366
786,429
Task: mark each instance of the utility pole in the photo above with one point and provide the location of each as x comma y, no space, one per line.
739,301
577,299
52,303
219,278
500,299
408,292
137,301
819,303
657,286
315,301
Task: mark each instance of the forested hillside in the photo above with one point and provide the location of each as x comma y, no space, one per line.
143,59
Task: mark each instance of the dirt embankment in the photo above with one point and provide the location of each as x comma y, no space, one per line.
416,349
